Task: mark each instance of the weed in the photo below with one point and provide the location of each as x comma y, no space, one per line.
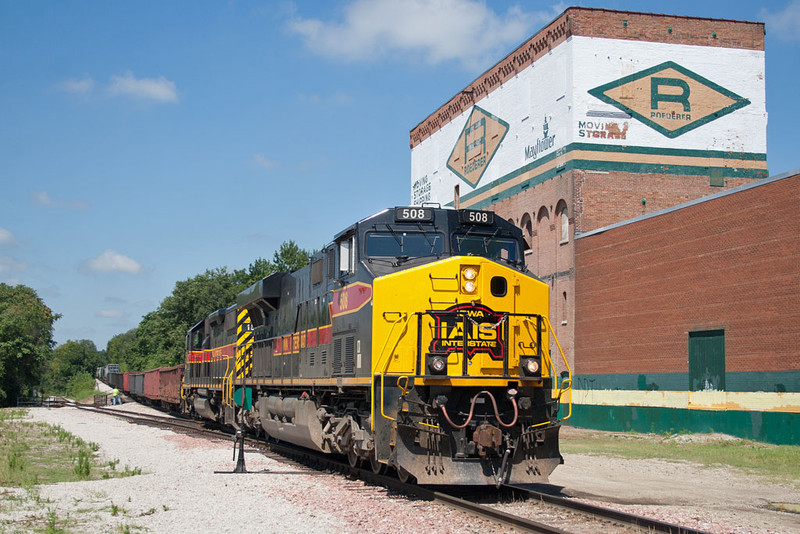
128,472
83,467
51,526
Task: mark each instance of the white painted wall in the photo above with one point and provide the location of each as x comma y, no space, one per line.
556,87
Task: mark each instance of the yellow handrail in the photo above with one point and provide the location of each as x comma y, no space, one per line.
403,317
562,389
227,384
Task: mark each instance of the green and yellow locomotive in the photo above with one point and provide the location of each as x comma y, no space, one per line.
416,340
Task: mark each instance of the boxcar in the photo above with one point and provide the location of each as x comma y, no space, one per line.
137,384
151,384
170,380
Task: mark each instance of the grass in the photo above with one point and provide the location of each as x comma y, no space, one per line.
774,462
32,454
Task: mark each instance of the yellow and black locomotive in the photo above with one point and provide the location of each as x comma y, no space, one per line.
416,340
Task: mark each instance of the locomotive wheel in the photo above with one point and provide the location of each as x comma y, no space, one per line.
352,457
404,476
377,467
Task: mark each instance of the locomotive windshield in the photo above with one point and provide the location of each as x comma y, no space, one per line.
489,246
404,244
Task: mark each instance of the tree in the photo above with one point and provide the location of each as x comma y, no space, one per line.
26,340
121,349
290,257
160,337
69,360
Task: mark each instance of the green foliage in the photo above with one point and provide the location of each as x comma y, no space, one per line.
26,340
159,340
71,361
83,464
80,386
289,257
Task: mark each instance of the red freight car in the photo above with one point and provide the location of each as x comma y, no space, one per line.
126,382
170,380
151,384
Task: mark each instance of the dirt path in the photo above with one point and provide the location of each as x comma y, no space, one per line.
719,500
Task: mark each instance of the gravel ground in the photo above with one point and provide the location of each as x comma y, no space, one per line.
178,491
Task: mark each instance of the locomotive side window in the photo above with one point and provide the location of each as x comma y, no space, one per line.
347,255
400,244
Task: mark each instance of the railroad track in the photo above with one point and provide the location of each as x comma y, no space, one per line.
519,508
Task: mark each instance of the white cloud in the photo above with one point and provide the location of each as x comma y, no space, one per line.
110,314
259,160
42,198
82,86
786,23
10,265
110,261
159,89
466,31
6,237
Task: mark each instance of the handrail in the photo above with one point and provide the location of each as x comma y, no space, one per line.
402,317
568,381
227,378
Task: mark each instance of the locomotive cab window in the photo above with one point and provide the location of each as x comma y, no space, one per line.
404,244
496,248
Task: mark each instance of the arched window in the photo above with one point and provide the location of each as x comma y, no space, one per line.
527,229
544,243
563,222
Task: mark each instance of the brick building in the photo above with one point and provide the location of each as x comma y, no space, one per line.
601,117
688,318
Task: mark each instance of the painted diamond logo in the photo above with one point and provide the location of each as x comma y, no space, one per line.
476,146
670,98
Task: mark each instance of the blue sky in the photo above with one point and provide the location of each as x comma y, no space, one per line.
142,143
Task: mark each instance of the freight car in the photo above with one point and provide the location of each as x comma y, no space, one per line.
416,340
102,373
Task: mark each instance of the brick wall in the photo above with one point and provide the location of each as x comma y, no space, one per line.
729,263
608,197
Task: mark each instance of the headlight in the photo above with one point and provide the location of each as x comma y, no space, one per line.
470,273
469,286
531,366
437,365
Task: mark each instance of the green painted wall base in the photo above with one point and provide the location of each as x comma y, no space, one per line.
780,428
